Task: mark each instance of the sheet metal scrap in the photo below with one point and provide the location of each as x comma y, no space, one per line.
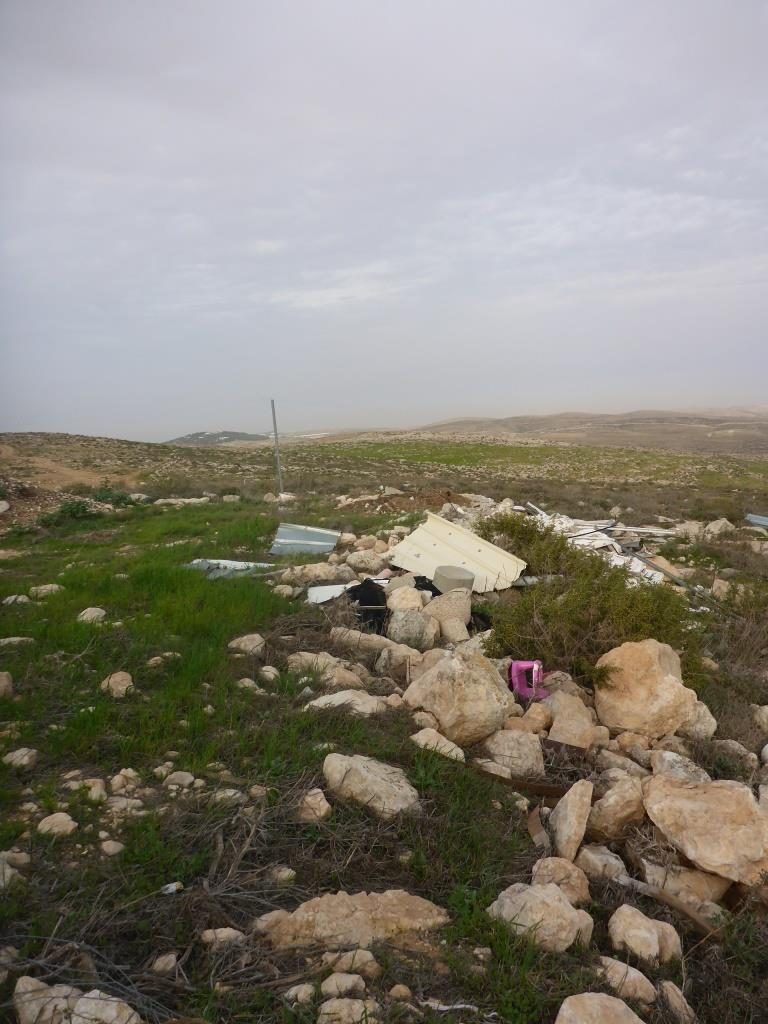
438,542
226,568
294,539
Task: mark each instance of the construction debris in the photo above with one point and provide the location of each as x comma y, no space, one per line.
293,539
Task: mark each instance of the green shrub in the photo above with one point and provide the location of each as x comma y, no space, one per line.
73,508
587,609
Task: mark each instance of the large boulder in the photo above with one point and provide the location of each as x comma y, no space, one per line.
340,920
653,941
544,914
718,826
466,695
644,691
38,1003
595,1008
383,788
520,752
568,821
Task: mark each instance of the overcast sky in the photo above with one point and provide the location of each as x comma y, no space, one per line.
381,213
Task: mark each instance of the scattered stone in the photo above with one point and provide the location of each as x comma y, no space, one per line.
718,528
16,641
300,995
252,644
687,883
595,1008
348,1011
644,692
666,762
356,961
718,826
626,981
599,863
405,599
340,919
649,940
520,752
111,848
24,757
621,806
431,739
544,914
182,779
456,604
607,759
366,562
383,788
760,716
568,821
538,717
165,964
466,695
58,824
675,1002
737,752
117,684
340,984
16,599
6,684
569,878
314,807
92,615
229,797
219,938
8,874
45,590
268,673
400,993
414,629
281,875
355,702
38,1003
571,720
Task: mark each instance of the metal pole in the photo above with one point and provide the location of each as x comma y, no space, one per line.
277,451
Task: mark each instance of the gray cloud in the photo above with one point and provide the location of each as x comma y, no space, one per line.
382,214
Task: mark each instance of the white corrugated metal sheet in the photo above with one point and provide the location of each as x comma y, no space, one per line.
438,542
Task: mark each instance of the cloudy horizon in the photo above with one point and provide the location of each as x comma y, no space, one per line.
383,215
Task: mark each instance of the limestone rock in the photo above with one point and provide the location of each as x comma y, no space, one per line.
760,716
572,722
465,694
92,615
314,807
405,599
58,824
111,847
599,863
354,961
182,779
674,1001
342,984
737,752
453,631
366,562
24,757
649,940
666,762
355,702
717,825
97,1007
340,919
318,572
252,644
644,692
701,725
595,1008
544,914
414,629
570,879
520,752
687,883
348,1011
718,527
117,684
6,684
219,938
626,981
38,1003
456,604
430,739
568,821
45,590
537,717
360,644
300,994
621,806
165,964
383,788
608,759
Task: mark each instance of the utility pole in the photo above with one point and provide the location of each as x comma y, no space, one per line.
278,465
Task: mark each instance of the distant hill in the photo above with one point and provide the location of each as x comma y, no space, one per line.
725,431
217,438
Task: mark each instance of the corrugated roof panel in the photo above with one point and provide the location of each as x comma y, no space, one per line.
292,538
438,542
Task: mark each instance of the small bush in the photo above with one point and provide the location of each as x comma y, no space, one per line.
588,607
73,508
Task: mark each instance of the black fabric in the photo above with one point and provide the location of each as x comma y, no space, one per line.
370,602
